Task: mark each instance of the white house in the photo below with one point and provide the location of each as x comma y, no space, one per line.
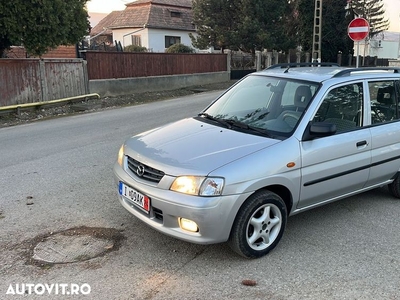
154,24
384,45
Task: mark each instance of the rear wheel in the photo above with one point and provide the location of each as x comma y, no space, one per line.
394,187
259,225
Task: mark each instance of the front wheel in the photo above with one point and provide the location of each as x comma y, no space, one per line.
259,225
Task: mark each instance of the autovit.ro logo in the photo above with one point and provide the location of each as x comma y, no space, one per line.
48,289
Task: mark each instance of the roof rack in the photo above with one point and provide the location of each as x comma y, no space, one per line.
303,64
351,70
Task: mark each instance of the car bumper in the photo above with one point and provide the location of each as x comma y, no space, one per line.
213,215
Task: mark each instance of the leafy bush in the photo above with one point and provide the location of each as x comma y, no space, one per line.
135,48
179,48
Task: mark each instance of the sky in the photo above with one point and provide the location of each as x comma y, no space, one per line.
106,6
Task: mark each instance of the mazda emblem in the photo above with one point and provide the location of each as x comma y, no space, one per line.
140,170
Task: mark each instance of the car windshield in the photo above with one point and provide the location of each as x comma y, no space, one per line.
260,103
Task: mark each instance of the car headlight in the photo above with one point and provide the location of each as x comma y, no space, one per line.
197,185
121,155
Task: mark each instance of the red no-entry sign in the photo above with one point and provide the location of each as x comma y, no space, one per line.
358,29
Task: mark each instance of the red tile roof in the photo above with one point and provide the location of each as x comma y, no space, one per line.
177,3
161,14
132,17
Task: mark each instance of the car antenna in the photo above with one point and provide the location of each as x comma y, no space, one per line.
287,70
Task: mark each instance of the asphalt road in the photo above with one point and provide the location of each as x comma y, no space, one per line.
57,174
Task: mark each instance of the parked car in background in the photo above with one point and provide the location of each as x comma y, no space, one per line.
277,143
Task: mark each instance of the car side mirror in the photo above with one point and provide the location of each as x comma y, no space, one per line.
318,129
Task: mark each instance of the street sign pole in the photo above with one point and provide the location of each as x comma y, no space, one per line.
358,53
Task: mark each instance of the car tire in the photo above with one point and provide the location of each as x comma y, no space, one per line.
259,225
394,187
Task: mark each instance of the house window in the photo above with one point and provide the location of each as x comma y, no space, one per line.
175,14
136,40
171,40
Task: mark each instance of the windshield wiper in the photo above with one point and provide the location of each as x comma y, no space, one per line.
237,123
229,123
221,121
242,125
260,130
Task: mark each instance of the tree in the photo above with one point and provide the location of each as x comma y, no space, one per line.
304,21
7,24
334,28
335,38
248,25
40,25
262,25
216,21
373,11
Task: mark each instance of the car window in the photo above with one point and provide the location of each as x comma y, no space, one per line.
252,93
342,106
384,101
268,103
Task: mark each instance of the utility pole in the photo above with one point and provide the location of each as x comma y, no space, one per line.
317,32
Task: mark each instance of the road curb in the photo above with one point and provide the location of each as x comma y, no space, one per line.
19,107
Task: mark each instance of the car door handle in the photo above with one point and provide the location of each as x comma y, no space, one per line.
362,143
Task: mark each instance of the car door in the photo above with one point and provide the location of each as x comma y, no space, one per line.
385,130
337,165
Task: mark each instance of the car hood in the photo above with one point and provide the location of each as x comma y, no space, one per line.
192,147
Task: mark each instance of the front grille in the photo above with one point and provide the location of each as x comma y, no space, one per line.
148,173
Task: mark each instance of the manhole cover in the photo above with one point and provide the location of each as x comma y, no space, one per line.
77,244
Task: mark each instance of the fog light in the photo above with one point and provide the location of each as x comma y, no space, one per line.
188,225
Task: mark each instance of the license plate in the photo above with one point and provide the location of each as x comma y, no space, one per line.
138,199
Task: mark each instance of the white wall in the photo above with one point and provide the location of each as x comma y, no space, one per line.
386,49
152,39
385,45
157,38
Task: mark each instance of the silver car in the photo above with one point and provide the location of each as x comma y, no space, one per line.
278,142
